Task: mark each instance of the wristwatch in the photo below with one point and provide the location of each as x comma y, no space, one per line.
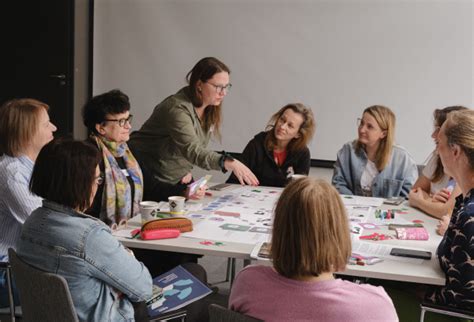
225,156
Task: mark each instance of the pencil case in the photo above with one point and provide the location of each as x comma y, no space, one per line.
412,233
155,234
179,223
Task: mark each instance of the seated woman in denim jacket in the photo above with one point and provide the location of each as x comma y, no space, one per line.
102,275
456,251
372,165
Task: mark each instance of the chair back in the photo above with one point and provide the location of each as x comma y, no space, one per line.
44,297
218,313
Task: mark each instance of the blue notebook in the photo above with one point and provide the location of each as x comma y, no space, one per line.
173,290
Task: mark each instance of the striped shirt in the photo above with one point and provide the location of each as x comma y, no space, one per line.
16,200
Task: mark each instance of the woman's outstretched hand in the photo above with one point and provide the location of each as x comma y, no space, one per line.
240,170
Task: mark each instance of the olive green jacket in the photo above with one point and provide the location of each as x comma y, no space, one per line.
172,140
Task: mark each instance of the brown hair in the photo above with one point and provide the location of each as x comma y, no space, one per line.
439,116
459,129
306,129
64,172
386,121
19,121
310,230
203,71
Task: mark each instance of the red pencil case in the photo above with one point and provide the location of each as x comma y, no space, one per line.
156,233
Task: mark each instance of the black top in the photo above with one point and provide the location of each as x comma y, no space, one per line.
261,162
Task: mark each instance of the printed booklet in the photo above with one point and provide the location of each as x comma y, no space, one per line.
173,290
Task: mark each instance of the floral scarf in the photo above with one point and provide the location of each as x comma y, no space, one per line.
117,205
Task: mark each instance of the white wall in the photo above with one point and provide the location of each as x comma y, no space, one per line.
338,57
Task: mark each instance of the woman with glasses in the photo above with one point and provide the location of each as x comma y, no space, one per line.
24,129
176,135
310,242
103,277
275,155
372,165
435,192
108,119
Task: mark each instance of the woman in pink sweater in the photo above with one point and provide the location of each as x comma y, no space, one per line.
310,242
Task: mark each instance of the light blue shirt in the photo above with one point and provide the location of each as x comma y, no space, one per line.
395,180
102,276
16,200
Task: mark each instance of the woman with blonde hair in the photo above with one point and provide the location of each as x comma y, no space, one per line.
281,151
456,251
310,242
372,165
24,129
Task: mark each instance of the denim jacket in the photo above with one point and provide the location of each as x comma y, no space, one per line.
396,179
102,276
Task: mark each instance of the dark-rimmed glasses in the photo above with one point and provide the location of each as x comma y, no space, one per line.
122,122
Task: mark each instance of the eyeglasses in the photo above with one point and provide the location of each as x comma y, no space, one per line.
361,123
100,179
221,88
122,122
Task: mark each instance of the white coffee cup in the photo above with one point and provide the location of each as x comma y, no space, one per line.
297,176
176,205
147,210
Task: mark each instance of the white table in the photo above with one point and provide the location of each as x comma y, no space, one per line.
427,273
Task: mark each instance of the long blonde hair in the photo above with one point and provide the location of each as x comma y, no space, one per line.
385,118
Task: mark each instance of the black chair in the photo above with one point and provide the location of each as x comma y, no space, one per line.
12,312
445,310
218,313
44,297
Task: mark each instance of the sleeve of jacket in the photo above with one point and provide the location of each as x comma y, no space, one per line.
109,261
410,175
249,158
303,163
341,178
184,136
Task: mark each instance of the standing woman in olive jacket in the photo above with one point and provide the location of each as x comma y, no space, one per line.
176,135
281,151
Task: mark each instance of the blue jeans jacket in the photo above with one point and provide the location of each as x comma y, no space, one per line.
102,276
396,179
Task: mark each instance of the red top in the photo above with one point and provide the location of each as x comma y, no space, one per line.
279,157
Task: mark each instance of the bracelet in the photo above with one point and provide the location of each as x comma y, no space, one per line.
225,156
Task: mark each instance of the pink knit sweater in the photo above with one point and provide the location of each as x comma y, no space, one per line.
261,292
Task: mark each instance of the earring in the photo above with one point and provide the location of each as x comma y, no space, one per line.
199,89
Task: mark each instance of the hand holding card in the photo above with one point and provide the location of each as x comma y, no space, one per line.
193,188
